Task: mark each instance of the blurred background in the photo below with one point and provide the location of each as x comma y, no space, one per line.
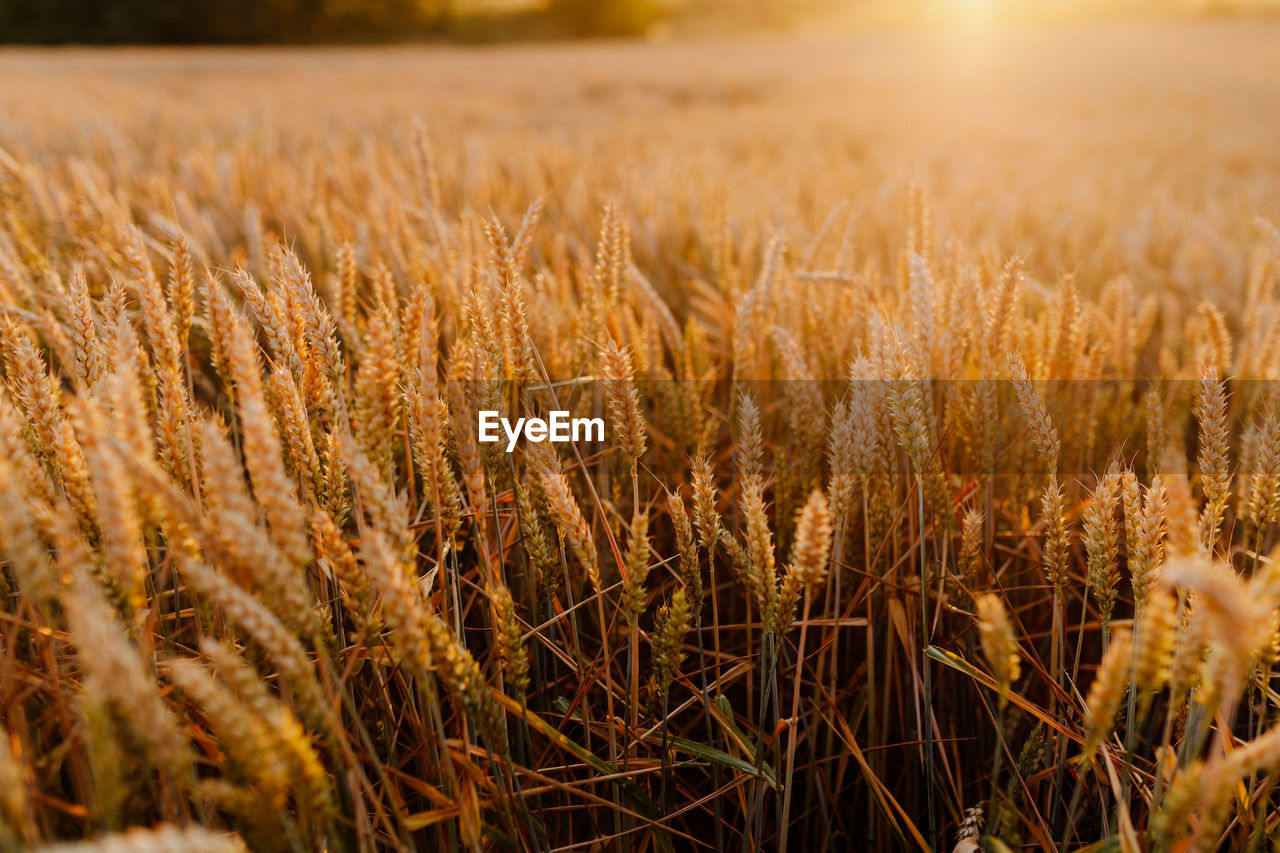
359,21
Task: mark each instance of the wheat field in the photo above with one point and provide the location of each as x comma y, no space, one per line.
936,507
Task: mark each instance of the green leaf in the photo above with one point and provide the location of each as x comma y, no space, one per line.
724,759
644,806
699,750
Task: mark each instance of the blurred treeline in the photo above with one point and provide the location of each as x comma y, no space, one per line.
326,21
307,21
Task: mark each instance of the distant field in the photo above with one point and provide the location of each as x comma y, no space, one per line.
1148,146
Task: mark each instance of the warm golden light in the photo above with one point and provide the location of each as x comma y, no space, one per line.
784,425
973,9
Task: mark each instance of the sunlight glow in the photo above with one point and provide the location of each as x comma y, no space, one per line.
972,13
